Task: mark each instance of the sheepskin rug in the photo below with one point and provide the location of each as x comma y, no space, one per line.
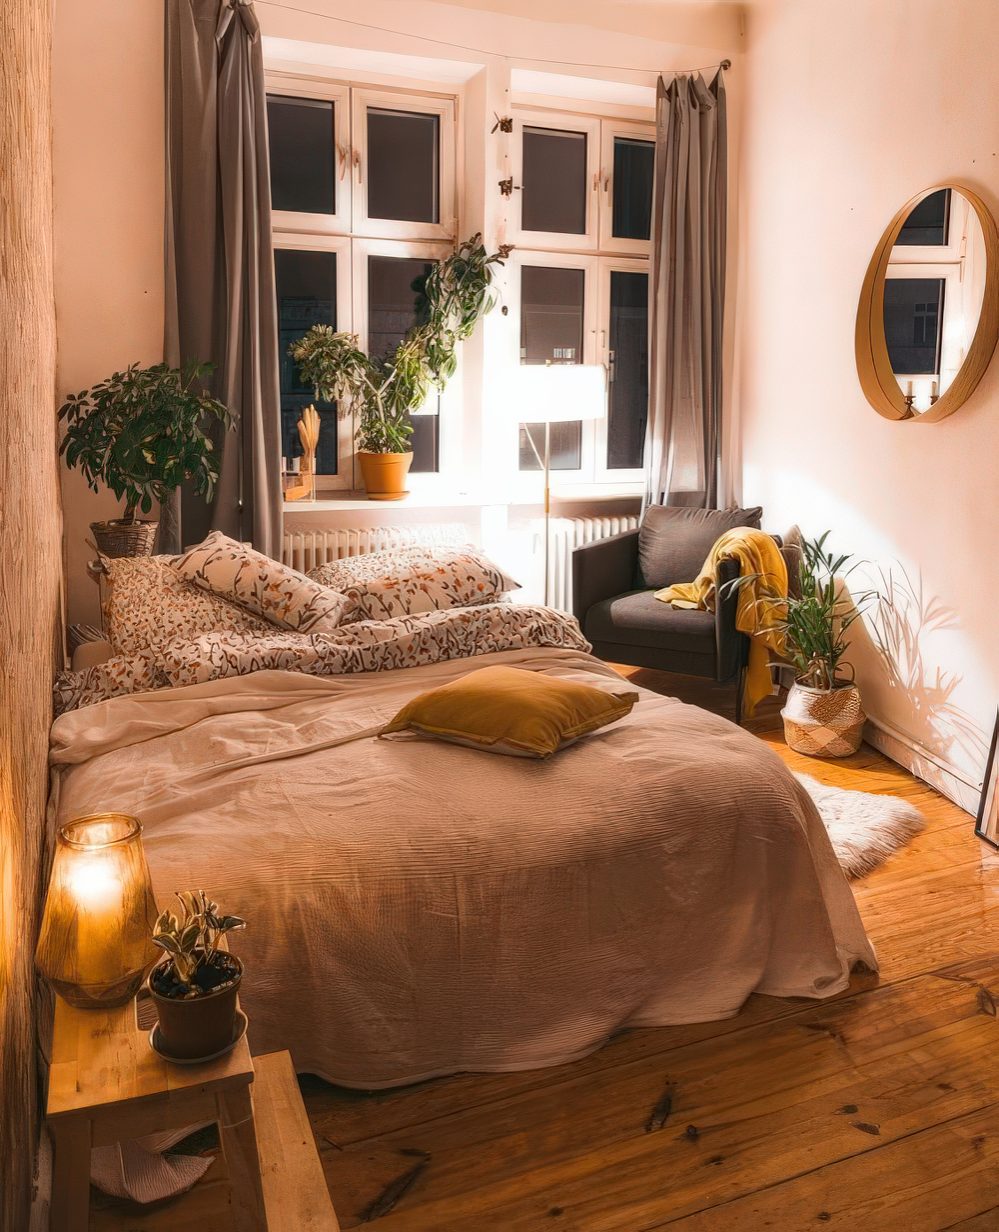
865,829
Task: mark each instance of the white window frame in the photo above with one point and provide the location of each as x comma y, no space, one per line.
337,223
343,480
557,241
602,473
609,130
425,104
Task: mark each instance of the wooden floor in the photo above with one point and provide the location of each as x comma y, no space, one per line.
874,1111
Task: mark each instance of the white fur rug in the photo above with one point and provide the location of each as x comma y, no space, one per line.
865,829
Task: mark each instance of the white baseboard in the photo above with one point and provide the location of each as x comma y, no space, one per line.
918,760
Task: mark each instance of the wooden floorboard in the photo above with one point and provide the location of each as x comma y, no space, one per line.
876,1110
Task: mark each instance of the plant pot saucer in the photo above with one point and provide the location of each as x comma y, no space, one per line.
239,1026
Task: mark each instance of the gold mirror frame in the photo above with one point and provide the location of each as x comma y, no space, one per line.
877,379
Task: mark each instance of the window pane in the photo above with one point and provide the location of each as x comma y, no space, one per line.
551,331
634,162
395,305
306,296
302,147
913,319
403,165
628,403
554,188
928,222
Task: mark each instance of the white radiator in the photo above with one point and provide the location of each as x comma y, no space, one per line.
567,534
305,549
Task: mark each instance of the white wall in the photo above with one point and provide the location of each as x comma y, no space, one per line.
850,109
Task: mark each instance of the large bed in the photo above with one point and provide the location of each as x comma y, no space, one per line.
416,908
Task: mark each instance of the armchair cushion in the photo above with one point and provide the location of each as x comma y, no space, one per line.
673,541
639,619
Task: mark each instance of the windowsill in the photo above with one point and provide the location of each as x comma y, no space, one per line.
346,502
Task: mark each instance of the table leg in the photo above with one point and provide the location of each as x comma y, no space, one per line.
238,1136
70,1177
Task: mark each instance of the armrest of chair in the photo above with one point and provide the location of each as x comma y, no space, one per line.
603,569
731,646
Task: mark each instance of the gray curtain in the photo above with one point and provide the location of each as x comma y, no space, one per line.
687,293
219,260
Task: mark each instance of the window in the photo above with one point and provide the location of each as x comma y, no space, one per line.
627,369
362,188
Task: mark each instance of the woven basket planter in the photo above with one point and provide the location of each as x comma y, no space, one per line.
117,538
824,722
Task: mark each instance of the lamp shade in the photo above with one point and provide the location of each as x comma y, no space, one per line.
96,944
558,393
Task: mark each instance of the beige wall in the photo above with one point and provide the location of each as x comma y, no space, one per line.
108,163
30,527
851,108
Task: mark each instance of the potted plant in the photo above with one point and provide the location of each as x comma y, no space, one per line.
383,391
142,433
195,986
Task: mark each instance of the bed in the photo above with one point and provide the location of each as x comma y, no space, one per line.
417,908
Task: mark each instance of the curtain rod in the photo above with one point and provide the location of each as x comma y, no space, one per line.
424,38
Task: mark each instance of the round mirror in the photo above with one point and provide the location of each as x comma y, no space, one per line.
928,318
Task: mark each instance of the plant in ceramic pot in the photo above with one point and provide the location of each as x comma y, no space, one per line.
382,392
142,433
195,986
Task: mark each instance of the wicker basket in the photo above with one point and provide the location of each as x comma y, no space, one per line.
824,722
118,538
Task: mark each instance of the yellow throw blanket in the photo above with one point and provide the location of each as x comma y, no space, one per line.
762,602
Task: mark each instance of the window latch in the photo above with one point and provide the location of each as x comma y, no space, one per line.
506,187
504,124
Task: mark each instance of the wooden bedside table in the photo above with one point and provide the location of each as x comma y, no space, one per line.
107,1085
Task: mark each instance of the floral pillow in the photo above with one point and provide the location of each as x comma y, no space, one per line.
283,596
147,605
410,580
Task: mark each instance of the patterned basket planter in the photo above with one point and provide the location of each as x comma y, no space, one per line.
824,722
120,538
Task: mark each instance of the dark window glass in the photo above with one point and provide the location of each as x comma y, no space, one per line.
554,188
302,148
403,165
395,305
928,223
628,401
551,331
634,162
913,320
306,296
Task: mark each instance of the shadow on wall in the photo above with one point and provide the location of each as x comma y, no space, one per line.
921,705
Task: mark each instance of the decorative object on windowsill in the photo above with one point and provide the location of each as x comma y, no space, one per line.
195,987
95,947
557,393
987,822
383,392
141,433
301,483
823,715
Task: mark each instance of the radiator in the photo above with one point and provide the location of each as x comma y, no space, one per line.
305,549
567,534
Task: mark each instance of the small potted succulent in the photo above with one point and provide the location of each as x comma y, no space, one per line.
194,987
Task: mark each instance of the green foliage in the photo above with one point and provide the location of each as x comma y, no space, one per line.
815,623
191,938
384,390
142,434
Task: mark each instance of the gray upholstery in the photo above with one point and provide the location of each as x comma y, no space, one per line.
674,542
639,619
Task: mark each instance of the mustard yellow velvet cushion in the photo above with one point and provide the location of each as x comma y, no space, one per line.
511,710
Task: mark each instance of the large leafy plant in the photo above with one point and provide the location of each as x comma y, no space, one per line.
143,432
190,939
383,391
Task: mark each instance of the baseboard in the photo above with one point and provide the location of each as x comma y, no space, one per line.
918,760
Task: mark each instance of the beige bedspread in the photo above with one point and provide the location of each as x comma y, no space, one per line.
418,908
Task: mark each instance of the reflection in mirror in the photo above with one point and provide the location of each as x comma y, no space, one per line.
933,293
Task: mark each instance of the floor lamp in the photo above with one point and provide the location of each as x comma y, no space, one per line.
558,393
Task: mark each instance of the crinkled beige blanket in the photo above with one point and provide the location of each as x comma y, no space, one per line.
418,908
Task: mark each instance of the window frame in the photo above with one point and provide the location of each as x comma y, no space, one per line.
602,473
571,122
339,222
609,130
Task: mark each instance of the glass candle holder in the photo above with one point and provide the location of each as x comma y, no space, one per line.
95,947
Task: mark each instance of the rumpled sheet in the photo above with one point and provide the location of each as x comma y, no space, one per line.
418,908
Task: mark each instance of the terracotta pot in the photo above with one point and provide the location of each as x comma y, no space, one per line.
121,538
385,474
824,722
200,1026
